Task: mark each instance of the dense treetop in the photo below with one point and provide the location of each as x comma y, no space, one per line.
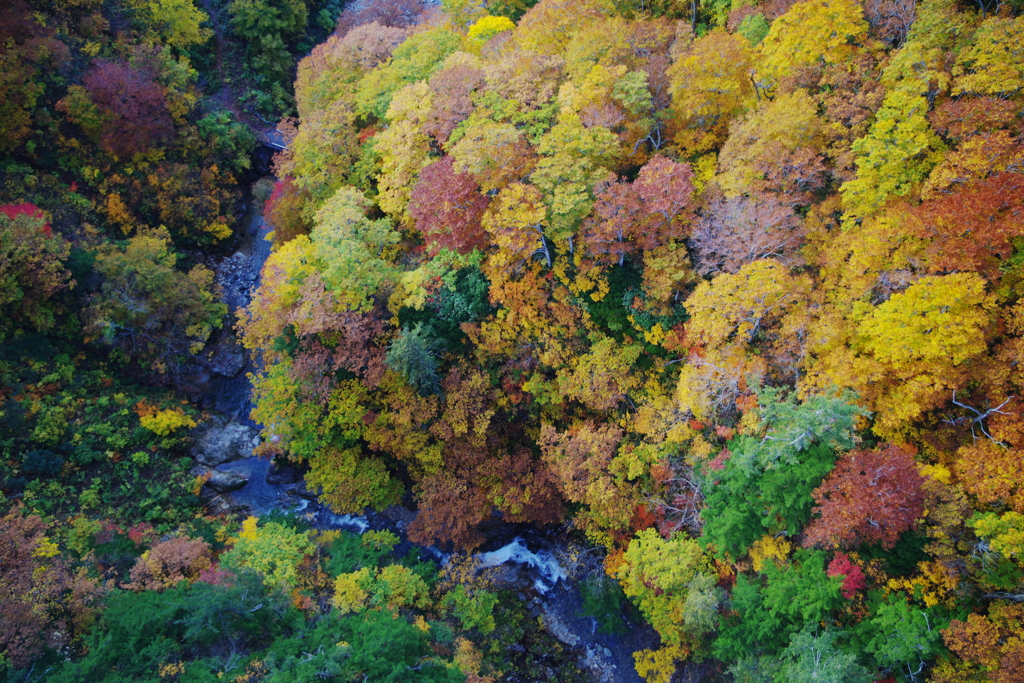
731,291
747,276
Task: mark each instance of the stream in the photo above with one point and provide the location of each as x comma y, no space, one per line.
524,558
238,277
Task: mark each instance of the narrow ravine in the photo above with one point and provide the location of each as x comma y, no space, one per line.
520,558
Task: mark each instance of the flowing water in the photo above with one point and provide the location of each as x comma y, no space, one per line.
542,565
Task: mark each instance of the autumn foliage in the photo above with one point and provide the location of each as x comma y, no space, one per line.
729,294
674,275
45,602
853,576
168,562
447,207
134,113
31,265
870,497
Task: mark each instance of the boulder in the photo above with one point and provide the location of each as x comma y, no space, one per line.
279,475
217,503
221,444
236,277
399,515
222,482
225,357
302,491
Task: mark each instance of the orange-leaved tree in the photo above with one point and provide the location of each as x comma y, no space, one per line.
870,497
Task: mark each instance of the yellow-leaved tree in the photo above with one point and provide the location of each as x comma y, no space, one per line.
743,325
710,84
759,141
897,154
813,33
909,353
994,65
674,585
404,149
273,550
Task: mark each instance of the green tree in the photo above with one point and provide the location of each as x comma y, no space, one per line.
31,267
902,636
347,249
141,631
269,29
474,608
744,502
776,605
387,648
149,311
766,484
414,355
377,644
230,142
813,655
672,583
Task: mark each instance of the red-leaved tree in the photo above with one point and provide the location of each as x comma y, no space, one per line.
642,215
853,576
974,228
283,211
447,207
870,497
134,105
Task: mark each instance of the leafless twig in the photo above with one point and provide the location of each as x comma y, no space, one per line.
979,418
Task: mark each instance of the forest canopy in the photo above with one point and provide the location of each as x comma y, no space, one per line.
730,293
710,285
